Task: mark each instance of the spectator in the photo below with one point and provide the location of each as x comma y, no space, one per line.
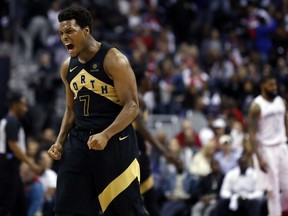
37,30
230,110
226,157
187,134
263,43
247,95
222,71
219,128
44,85
179,186
239,192
48,180
200,165
175,151
189,141
197,116
205,135
156,158
281,73
209,191
32,148
237,135
212,44
48,138
33,191
52,15
171,85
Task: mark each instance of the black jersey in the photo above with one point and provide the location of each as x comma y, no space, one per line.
95,97
11,130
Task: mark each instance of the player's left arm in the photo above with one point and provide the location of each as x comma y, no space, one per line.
253,120
119,70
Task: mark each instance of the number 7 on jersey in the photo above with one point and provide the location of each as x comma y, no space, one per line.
86,100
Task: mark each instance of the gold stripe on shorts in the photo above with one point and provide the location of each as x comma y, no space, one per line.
119,184
147,184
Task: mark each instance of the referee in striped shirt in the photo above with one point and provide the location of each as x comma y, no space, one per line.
12,153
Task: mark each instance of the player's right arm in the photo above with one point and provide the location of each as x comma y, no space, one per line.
55,151
253,121
12,141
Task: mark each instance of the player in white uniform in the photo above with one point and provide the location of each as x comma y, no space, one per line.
268,137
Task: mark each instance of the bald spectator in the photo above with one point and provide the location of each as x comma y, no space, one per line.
239,192
188,136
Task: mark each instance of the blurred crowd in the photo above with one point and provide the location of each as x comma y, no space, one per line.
204,58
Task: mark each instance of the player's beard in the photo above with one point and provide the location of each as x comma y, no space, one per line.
271,95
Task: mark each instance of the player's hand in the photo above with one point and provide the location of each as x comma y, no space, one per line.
55,151
97,141
263,165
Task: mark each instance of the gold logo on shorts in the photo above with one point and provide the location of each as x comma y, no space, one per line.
122,138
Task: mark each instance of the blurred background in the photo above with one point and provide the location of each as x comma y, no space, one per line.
202,56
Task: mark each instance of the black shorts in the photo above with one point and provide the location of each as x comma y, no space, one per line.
109,178
147,181
12,197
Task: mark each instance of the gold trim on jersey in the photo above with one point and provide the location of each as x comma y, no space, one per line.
85,79
147,184
119,184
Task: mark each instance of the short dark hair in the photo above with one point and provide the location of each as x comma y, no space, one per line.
266,77
13,97
81,15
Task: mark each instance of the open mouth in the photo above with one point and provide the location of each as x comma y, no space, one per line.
70,47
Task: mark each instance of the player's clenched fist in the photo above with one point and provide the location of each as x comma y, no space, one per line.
55,151
97,141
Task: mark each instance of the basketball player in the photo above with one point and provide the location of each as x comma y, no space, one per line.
12,153
99,157
268,136
143,135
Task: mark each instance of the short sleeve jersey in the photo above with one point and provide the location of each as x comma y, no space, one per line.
11,130
95,97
